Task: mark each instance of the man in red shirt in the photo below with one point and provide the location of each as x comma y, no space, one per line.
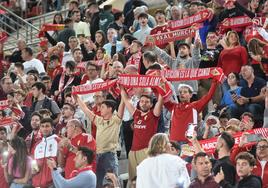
145,126
75,138
136,54
45,149
182,113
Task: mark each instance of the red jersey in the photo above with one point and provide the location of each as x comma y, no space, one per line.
231,60
46,148
82,139
145,126
55,72
28,101
160,29
182,114
264,66
135,59
60,128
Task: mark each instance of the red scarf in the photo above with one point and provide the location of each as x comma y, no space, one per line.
209,145
129,81
52,27
189,21
76,172
163,38
62,87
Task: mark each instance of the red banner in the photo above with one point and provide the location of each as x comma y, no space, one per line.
189,21
91,88
193,74
209,145
163,38
152,81
241,22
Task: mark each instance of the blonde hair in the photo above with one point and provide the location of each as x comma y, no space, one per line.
158,144
228,35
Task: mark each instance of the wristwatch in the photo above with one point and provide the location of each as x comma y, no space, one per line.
55,168
249,100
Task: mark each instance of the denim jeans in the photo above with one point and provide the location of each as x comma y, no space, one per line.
106,162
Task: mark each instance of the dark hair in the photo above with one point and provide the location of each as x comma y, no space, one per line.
57,14
54,57
155,66
46,77
75,11
19,65
175,145
199,154
102,49
40,86
150,56
35,73
20,157
224,115
148,97
68,21
246,156
70,105
143,15
92,65
44,111
103,38
3,129
36,114
237,77
228,139
138,42
76,49
110,104
159,11
129,38
70,65
118,15
29,51
47,120
89,154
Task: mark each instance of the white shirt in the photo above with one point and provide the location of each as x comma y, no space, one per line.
34,64
67,56
142,33
162,171
81,28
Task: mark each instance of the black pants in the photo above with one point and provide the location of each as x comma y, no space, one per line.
127,135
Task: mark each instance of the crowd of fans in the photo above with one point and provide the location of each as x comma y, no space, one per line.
51,136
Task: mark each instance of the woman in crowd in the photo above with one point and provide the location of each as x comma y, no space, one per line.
232,57
100,39
18,170
258,51
160,165
229,96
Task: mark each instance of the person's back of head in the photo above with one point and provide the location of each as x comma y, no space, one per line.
228,139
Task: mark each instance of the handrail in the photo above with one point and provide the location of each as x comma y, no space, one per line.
18,18
45,15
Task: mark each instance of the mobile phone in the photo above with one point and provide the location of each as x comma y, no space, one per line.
190,130
254,137
233,92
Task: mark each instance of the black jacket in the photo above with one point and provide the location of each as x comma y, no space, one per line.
248,182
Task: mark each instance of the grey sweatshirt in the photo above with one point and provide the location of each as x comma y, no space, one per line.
85,179
192,62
